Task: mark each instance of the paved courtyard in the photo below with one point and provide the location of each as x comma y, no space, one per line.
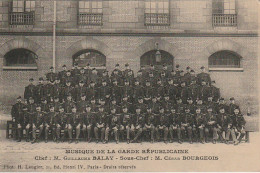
53,157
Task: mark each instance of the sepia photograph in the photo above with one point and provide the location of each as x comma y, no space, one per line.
129,86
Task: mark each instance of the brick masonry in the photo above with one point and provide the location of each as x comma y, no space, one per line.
128,17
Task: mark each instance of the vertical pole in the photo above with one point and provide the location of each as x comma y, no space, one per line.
54,37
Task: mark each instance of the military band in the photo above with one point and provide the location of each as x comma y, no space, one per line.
156,105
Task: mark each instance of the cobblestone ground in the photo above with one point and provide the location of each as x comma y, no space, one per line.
244,157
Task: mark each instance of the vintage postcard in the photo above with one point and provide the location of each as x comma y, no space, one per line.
129,86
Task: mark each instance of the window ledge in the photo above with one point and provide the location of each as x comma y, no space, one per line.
19,68
227,69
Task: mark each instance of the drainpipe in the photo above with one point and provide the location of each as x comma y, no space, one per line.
54,37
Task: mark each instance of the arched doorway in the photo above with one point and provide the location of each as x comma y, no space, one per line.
149,58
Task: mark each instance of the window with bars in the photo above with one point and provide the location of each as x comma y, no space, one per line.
225,59
90,12
20,58
21,12
93,57
224,13
157,12
149,58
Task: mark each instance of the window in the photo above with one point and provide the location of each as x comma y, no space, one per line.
225,59
20,58
157,12
22,12
90,13
149,58
93,57
224,13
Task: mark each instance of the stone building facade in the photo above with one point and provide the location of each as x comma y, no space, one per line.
191,31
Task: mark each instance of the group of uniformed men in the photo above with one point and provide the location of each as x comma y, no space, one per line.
155,105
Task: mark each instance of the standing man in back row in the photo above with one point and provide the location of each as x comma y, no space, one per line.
203,76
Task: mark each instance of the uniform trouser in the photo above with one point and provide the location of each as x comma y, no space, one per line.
233,134
84,130
214,132
199,131
165,133
123,129
46,131
151,129
27,128
221,133
89,131
34,128
172,130
107,129
56,131
97,131
138,134
181,131
19,131
115,131
241,133
77,131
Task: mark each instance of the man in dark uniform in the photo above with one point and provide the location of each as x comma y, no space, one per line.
194,90
62,75
47,121
126,120
128,104
100,125
187,76
82,76
29,90
179,107
58,90
160,88
75,71
92,91
238,124
114,124
152,79
49,90
204,91
202,106
73,122
87,70
116,91
80,90
193,76
185,92
44,105
68,90
127,90
116,72
190,105
232,106
149,123
117,76
58,123
104,90
40,91
214,91
137,125
140,78
199,124
17,114
186,125
211,125
94,76
154,105
175,121
223,121
89,121
37,123
138,90
140,104
203,76
68,104
222,103
148,92
69,78
162,125
113,105
51,76
212,104
177,70
171,90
